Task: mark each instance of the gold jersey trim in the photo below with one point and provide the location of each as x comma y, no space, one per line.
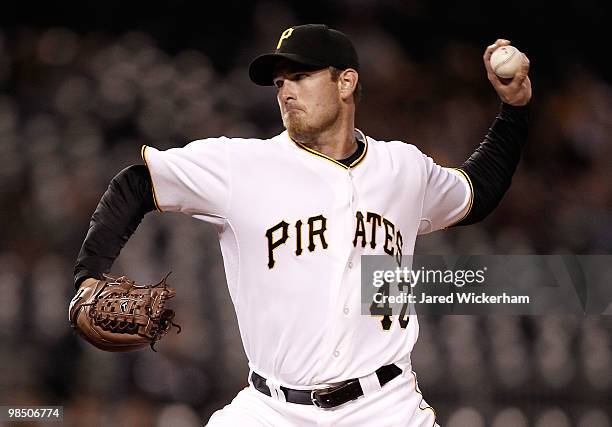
416,388
342,165
144,158
471,202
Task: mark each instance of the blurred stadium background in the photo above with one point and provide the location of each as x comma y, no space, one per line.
83,86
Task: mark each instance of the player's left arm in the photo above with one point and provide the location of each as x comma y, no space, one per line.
491,167
127,200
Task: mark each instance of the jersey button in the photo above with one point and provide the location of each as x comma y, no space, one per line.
336,353
350,264
346,310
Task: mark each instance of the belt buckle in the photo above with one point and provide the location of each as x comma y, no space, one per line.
314,400
313,397
325,394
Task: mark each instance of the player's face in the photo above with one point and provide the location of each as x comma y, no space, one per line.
309,100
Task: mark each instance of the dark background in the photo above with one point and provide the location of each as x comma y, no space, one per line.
84,85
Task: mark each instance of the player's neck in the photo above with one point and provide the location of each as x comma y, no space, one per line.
337,142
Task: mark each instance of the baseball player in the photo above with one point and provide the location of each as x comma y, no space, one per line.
295,213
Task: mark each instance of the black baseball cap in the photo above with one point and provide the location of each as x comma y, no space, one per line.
313,45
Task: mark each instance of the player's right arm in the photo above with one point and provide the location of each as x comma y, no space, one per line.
468,194
486,175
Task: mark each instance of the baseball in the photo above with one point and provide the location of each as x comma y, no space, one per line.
506,61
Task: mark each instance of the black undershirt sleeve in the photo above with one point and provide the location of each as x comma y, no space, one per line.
126,201
491,166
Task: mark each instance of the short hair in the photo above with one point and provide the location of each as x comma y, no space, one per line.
335,75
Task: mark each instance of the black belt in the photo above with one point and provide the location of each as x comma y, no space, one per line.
328,397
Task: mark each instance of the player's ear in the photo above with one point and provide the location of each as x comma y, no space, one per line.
348,82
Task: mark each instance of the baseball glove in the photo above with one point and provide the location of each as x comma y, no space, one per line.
115,314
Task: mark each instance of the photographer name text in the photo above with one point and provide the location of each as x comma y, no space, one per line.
461,298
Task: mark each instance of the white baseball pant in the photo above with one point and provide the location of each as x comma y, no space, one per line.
398,404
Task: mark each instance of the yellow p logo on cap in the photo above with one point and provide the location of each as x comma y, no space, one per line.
286,34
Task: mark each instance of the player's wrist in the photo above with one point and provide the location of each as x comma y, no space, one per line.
509,110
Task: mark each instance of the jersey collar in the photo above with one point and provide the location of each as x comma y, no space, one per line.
358,135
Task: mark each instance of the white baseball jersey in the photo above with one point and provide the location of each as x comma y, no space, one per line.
292,225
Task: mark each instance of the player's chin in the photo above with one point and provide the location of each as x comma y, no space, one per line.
293,123
292,115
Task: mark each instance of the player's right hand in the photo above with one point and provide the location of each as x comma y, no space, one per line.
515,91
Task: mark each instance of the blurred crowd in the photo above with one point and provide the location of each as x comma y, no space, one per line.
75,108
